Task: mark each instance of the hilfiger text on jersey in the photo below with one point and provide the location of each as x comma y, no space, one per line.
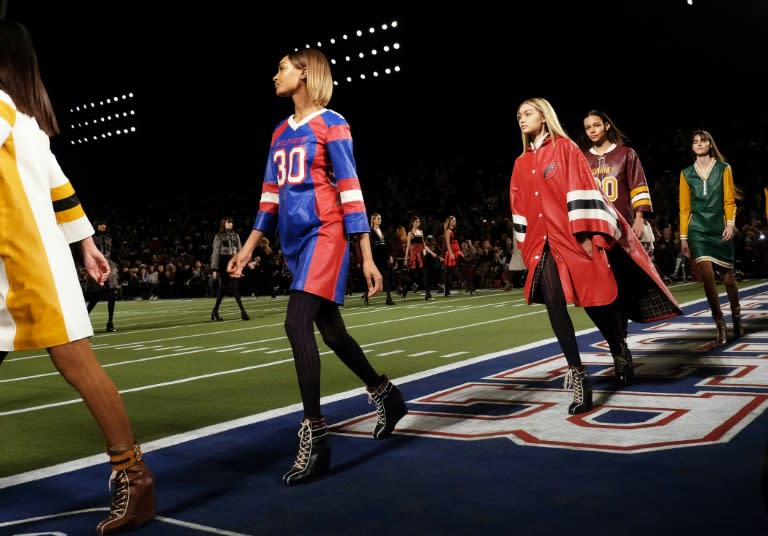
299,140
601,170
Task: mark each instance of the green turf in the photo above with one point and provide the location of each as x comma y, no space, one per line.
179,371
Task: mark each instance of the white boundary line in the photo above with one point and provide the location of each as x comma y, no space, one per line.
163,519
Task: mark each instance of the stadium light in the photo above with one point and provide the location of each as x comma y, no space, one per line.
365,58
95,120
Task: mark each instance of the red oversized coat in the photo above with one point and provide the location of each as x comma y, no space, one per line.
554,196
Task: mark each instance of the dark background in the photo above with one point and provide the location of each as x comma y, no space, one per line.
206,106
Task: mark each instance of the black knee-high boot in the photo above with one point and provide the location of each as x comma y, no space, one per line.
425,281
111,298
610,322
236,293
215,311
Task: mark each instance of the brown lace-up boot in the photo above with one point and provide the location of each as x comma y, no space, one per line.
133,493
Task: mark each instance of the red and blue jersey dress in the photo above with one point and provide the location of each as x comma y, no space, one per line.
311,195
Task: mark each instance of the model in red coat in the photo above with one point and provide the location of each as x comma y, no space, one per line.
565,227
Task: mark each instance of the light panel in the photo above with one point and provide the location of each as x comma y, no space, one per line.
98,120
362,55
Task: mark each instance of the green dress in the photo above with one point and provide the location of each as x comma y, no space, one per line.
710,198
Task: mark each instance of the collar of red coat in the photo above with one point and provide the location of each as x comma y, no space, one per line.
547,140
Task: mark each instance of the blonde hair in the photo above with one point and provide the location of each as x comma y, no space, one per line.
447,222
551,122
319,79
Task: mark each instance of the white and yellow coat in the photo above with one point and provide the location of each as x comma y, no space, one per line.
41,301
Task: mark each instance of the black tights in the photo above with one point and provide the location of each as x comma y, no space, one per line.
304,310
611,324
234,285
425,279
386,274
605,317
610,319
451,274
108,294
557,309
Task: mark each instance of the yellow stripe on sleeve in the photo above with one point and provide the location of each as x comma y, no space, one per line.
638,190
62,192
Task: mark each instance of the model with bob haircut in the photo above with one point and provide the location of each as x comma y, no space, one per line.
311,195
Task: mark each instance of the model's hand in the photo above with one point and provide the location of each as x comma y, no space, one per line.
637,228
728,232
684,249
95,263
587,245
372,277
236,264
